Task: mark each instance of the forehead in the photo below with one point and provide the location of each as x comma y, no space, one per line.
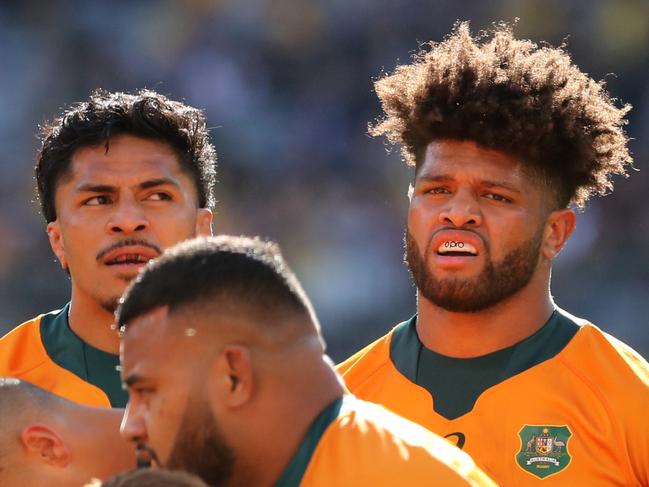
454,158
127,161
148,344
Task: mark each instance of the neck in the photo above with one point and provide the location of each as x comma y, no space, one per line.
93,324
297,399
466,335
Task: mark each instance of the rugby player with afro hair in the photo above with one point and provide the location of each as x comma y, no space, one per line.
506,137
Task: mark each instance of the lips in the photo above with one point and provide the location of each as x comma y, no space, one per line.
130,255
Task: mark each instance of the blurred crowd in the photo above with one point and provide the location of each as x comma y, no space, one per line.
287,89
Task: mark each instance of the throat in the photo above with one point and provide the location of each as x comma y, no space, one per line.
94,328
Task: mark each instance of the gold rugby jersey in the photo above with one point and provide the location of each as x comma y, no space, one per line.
46,352
354,443
569,404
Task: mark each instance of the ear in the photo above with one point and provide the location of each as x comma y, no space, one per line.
56,242
232,377
558,228
204,222
44,444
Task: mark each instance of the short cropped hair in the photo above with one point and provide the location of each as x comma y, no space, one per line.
247,271
18,396
513,96
144,114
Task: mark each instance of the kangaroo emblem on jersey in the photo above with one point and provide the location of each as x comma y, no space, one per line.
544,449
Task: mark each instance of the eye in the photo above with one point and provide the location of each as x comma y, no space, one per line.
159,196
98,200
497,197
437,190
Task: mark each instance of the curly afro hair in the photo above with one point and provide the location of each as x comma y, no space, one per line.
145,114
510,95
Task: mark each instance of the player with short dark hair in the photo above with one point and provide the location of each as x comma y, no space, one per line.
120,177
504,136
227,378
48,441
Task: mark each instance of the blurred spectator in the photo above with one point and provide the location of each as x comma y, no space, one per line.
287,89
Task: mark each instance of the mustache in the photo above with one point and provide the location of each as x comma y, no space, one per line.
146,457
127,243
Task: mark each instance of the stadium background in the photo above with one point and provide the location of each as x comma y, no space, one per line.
287,88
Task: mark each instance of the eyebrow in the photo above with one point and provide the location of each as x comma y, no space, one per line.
444,178
107,188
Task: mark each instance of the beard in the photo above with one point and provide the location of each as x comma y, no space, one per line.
200,447
495,283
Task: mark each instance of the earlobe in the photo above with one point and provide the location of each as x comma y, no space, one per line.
559,227
56,242
45,445
204,222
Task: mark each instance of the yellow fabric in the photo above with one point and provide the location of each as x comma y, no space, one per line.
596,386
368,445
22,355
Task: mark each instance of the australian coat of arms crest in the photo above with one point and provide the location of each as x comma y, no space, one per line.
544,449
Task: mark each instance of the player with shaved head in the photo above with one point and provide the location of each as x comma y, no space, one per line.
48,441
227,379
506,138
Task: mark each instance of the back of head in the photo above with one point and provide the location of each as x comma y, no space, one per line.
151,478
21,401
48,441
240,273
513,96
144,114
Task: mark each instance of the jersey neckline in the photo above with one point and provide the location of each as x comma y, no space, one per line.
456,383
69,351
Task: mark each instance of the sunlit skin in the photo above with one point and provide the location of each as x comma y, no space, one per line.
66,448
244,376
135,190
484,199
159,377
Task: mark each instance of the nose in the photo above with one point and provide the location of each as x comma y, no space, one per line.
127,217
461,210
132,427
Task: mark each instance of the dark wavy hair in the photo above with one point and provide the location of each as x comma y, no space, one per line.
514,96
145,114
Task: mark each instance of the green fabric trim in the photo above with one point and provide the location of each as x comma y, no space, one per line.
294,471
455,384
67,350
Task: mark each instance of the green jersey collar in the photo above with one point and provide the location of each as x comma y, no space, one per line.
455,384
92,365
294,471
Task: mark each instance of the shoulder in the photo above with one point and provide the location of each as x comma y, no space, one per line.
606,361
389,447
366,361
21,349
